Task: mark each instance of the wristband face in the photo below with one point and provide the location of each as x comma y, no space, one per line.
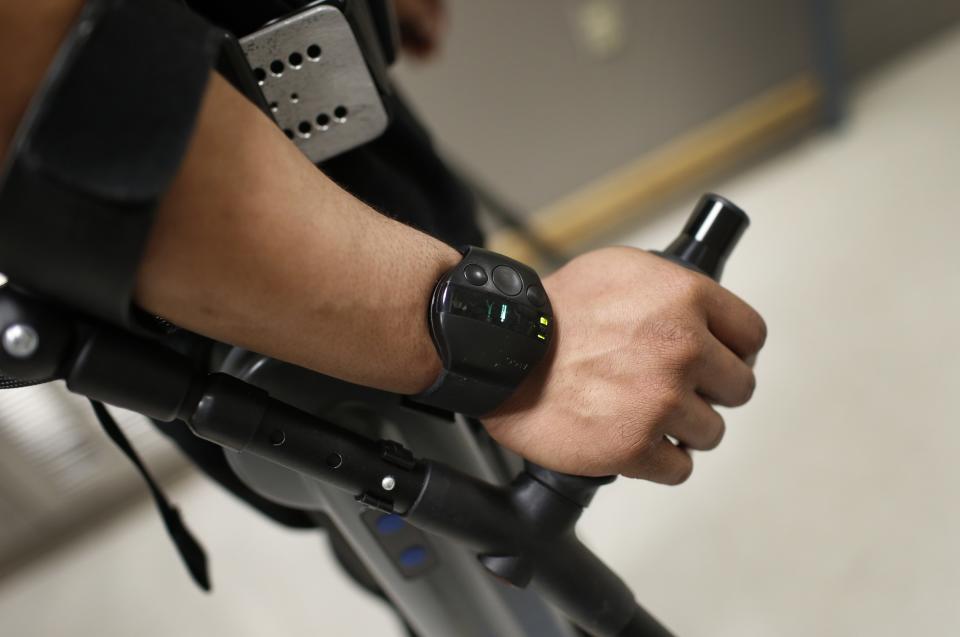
491,322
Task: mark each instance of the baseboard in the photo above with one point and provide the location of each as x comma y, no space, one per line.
635,190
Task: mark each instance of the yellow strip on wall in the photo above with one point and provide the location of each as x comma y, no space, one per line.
631,192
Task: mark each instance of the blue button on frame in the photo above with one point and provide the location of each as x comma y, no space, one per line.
390,523
413,556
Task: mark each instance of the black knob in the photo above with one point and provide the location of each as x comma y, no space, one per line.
710,235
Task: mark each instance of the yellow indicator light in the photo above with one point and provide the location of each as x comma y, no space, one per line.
541,337
544,320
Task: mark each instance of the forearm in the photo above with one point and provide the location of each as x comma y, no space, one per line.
255,247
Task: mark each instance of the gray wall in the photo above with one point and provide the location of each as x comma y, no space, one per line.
523,106
519,102
874,31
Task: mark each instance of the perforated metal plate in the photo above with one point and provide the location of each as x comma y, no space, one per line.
313,75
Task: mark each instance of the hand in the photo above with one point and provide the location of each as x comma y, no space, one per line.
422,24
642,350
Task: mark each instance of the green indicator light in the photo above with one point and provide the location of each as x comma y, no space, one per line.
489,310
541,337
503,313
544,320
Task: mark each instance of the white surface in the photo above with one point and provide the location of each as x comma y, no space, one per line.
831,507
127,580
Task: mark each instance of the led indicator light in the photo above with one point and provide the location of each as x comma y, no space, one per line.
541,337
544,320
503,313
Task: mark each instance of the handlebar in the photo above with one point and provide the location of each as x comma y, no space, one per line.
709,236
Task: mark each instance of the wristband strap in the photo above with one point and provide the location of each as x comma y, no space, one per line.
468,396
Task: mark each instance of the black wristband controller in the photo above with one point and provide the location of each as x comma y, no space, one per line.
491,322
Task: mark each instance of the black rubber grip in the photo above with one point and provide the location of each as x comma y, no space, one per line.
711,234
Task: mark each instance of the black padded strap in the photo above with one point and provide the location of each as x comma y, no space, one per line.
189,548
468,396
98,148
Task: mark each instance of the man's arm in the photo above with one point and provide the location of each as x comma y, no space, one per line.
253,246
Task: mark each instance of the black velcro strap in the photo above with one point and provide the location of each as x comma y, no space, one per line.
189,548
99,146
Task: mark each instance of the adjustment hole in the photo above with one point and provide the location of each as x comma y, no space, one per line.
274,107
313,52
276,67
334,460
323,120
294,97
340,113
277,437
288,133
260,74
295,60
304,128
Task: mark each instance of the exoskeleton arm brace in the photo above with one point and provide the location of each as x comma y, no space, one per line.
99,146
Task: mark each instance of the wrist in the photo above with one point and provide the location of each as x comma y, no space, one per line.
491,320
426,364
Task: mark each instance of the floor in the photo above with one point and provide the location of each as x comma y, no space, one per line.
831,509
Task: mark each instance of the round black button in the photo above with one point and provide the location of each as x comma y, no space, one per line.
475,274
507,280
536,295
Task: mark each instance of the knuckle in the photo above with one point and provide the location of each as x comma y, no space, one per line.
639,442
692,348
688,286
668,402
680,339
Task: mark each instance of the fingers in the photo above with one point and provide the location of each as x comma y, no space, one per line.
736,324
723,377
697,425
666,463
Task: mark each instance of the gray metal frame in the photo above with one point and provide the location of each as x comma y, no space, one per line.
457,596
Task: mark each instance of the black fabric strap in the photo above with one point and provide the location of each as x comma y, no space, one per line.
98,147
189,548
